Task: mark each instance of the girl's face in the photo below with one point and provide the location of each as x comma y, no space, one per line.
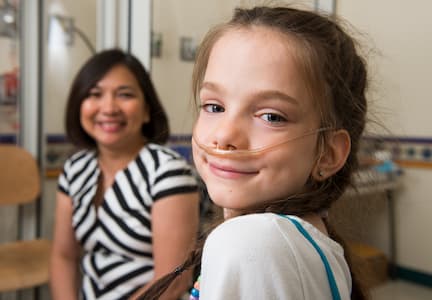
253,96
115,111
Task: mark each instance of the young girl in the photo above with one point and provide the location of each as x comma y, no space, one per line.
282,108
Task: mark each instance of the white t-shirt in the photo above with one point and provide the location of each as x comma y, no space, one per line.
264,256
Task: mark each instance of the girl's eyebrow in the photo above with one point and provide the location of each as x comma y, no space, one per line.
264,94
208,85
275,94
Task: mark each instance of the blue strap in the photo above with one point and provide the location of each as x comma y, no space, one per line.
333,286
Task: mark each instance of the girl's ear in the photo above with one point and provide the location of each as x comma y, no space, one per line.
334,155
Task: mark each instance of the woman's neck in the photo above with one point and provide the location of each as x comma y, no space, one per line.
113,160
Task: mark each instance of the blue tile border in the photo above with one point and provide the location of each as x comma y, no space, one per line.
412,275
56,138
8,138
181,143
400,139
408,151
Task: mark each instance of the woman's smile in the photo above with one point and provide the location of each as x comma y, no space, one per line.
111,126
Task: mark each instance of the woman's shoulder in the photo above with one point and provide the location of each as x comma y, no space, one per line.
76,167
161,158
79,159
160,152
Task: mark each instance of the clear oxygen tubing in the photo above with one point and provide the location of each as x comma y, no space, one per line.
243,153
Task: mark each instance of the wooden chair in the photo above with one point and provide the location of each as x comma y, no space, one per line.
23,263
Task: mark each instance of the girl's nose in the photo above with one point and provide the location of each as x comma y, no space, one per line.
230,135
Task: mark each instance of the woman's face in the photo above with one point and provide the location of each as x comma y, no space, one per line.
253,96
115,110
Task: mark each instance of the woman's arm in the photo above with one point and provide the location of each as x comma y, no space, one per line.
65,253
175,226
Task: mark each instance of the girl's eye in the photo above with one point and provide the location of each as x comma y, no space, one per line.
212,108
273,118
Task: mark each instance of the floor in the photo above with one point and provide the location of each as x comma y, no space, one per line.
401,290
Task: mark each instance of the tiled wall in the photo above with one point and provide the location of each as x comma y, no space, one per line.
410,152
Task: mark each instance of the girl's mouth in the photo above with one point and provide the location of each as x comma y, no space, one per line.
230,172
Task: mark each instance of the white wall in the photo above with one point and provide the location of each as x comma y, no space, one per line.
401,34
9,62
8,54
63,62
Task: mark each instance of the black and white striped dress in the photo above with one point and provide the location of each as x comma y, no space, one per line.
117,237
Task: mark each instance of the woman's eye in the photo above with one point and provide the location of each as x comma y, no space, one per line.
94,94
126,95
212,108
273,118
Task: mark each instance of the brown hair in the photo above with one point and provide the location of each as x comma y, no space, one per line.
336,78
156,130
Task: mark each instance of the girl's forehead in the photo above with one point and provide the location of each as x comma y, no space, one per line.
261,45
261,53
260,34
258,59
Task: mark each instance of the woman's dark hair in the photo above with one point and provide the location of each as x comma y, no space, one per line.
336,79
155,131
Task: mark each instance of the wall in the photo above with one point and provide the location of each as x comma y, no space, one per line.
63,61
399,36
9,64
8,54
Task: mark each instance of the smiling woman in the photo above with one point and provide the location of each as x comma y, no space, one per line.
115,110
125,200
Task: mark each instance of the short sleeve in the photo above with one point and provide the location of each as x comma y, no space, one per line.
246,258
78,164
63,182
173,176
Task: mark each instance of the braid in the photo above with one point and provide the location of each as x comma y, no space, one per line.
160,286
